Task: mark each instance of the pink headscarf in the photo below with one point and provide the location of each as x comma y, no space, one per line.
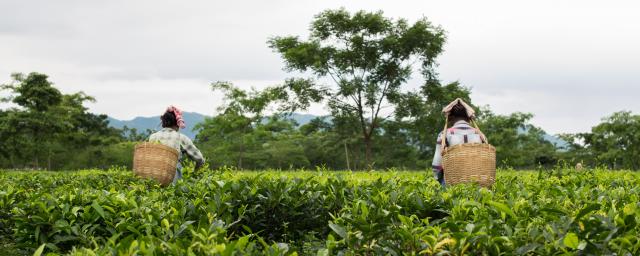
178,114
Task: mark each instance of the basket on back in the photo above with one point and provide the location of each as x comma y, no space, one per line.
156,161
469,162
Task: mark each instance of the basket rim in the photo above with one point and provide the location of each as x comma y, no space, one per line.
156,145
449,148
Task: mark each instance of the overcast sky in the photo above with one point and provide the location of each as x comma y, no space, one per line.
570,63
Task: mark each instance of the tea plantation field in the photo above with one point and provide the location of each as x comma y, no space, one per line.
226,212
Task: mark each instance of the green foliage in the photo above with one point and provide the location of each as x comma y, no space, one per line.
518,143
274,142
614,143
103,157
324,144
241,136
34,129
34,92
132,134
48,128
368,56
320,212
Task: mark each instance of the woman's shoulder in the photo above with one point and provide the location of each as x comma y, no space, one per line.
153,135
184,137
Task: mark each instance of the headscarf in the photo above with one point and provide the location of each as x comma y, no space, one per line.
178,115
470,112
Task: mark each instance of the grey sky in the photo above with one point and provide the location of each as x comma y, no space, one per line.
568,62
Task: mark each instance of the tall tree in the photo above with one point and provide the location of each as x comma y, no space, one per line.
37,123
46,124
368,57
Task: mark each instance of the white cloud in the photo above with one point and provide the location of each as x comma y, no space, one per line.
551,58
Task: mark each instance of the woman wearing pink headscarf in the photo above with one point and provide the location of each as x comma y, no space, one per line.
169,135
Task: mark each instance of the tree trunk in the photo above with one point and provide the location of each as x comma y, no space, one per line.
13,162
346,154
355,159
241,155
49,161
367,152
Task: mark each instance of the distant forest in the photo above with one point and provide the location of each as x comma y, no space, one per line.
51,130
375,121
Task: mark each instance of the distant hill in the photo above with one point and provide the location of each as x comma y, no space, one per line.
143,123
191,118
555,140
302,119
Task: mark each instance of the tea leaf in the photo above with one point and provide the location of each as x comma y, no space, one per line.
571,240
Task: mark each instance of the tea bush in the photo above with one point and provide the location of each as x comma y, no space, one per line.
225,212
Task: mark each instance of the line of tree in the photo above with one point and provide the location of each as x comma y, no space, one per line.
375,120
243,136
46,129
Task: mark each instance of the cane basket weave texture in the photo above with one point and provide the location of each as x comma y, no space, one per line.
464,163
156,161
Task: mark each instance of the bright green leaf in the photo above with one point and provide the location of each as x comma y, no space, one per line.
502,208
571,240
39,251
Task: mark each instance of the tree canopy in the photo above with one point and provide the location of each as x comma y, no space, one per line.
368,57
46,128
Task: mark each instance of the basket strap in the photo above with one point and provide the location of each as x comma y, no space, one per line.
482,137
443,142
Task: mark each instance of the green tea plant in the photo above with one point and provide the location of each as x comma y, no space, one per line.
320,212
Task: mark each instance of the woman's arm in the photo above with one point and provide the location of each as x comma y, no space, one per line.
193,152
436,164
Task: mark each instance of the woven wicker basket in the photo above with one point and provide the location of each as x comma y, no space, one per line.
472,162
156,161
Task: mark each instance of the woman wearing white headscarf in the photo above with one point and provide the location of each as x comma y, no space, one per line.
459,115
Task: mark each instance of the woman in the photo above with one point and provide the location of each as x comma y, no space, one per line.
169,136
458,115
